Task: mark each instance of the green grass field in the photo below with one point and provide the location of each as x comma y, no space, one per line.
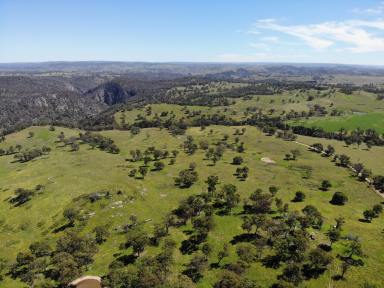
67,175
364,121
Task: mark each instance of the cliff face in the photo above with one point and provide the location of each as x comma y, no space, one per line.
110,94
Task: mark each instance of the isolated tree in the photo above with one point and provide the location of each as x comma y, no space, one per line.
273,190
339,198
143,170
71,214
299,197
229,196
223,253
364,174
186,178
101,234
330,150
238,160
158,165
340,221
325,185
132,173
344,160
160,230
368,215
333,235
137,239
31,134
358,168
212,181
135,130
353,248
317,147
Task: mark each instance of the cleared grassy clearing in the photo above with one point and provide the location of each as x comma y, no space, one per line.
364,121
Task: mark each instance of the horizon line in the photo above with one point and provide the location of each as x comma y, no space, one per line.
189,62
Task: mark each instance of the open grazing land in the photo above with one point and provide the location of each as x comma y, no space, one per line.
244,178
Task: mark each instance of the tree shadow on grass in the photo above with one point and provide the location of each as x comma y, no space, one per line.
271,261
191,245
325,247
364,220
245,237
127,259
63,227
193,274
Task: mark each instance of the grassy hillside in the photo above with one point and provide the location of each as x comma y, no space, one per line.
67,175
279,104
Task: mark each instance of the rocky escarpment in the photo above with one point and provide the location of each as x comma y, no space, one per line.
110,93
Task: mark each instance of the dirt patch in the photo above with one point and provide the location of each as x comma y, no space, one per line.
267,160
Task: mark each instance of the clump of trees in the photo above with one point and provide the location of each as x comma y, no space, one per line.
369,214
28,155
64,263
242,173
99,141
186,178
24,195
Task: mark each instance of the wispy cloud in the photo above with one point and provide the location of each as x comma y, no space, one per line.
270,39
378,10
355,35
260,57
259,46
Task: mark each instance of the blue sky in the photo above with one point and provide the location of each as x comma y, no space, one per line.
337,31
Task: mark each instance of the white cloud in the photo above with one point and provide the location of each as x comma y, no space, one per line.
356,35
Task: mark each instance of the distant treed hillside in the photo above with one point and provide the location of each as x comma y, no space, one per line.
27,100
69,93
